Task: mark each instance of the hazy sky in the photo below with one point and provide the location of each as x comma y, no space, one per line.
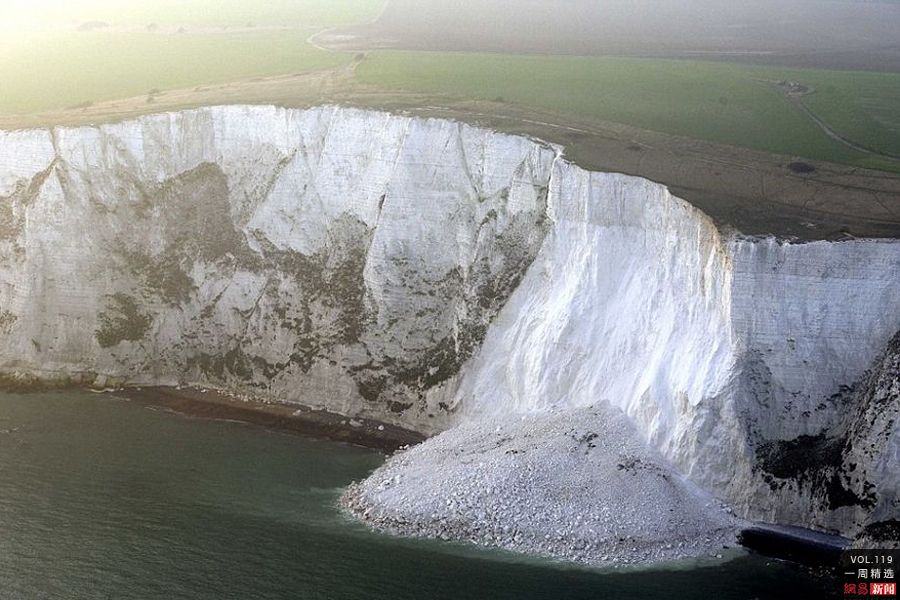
43,13
831,33
795,29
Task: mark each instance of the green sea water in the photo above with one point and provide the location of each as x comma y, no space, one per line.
102,498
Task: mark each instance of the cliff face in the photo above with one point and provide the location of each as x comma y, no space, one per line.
720,349
429,273
327,257
870,452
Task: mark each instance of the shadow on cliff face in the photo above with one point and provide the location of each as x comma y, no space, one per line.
12,207
191,225
181,240
185,220
834,467
121,321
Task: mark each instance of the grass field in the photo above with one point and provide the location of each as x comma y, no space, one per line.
75,68
718,102
51,67
864,107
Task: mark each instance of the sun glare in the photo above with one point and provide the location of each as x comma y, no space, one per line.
41,14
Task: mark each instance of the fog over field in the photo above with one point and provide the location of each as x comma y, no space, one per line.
851,34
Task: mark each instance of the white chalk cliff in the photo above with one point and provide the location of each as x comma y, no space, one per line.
429,273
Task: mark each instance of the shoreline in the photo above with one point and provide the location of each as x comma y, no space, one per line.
208,403
288,418
797,545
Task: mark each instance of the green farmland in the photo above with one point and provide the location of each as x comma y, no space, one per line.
136,47
75,68
718,102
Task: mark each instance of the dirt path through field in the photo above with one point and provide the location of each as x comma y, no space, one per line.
798,101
